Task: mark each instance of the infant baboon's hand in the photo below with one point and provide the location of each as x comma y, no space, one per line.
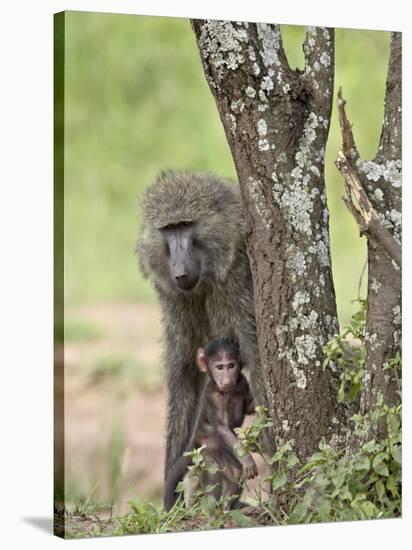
249,467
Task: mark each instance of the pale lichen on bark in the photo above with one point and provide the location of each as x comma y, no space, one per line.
221,44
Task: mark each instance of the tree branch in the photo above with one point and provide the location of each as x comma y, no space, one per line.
365,215
318,75
390,144
348,141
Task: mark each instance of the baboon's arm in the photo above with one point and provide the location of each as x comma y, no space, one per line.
228,437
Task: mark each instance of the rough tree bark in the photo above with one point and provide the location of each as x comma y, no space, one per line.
376,206
277,121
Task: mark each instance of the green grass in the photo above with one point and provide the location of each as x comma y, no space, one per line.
137,102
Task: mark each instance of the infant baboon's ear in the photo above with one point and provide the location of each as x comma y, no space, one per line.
201,360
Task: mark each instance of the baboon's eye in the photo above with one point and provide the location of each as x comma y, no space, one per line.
166,248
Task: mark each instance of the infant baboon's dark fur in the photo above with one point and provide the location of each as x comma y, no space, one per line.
222,407
192,248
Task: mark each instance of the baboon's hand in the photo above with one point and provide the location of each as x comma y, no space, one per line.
249,467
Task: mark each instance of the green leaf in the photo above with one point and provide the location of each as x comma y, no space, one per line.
379,458
362,463
393,423
323,508
309,496
379,465
309,466
369,509
392,485
341,392
371,446
275,458
380,489
322,481
279,481
397,454
325,362
241,519
339,477
382,470
299,513
354,392
292,461
345,494
208,503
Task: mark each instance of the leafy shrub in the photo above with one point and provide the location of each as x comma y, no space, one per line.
360,481
347,352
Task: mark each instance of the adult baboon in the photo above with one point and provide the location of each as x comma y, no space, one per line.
192,248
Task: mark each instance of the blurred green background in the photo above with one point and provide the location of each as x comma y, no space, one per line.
137,102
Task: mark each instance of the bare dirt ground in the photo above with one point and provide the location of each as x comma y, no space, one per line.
113,422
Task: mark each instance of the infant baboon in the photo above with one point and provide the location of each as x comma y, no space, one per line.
192,247
225,401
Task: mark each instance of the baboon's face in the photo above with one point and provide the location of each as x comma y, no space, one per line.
184,254
224,369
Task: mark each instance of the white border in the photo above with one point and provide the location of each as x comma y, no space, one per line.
26,267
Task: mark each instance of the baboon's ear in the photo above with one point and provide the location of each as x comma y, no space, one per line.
201,360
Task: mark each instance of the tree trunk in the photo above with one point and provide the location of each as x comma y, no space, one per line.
380,183
277,122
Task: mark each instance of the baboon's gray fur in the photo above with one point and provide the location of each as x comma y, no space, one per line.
221,305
